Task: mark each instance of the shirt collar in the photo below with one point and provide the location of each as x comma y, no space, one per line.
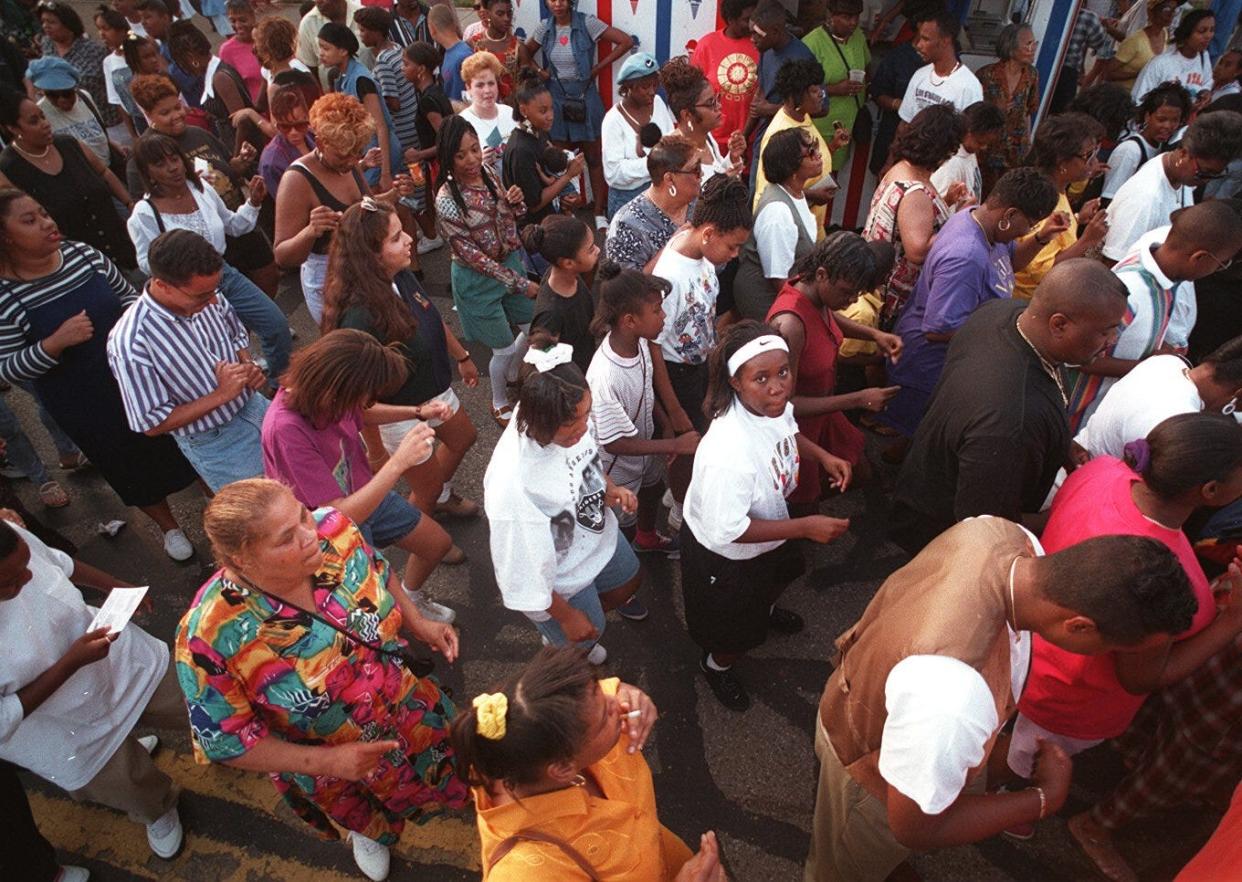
212,66
1148,260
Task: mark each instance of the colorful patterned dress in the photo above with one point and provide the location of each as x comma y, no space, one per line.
882,227
1019,106
252,667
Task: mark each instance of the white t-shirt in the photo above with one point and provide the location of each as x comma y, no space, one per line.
1123,162
744,468
623,167
1155,390
689,308
113,63
940,717
1142,203
294,63
78,123
719,164
959,89
776,235
493,132
550,529
69,737
622,398
1193,73
961,166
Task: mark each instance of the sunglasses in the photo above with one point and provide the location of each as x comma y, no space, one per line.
295,126
1221,265
1201,175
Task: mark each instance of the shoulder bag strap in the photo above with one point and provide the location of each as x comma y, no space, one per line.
159,218
572,853
374,647
837,46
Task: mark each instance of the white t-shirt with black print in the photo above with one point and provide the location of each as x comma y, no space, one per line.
744,468
689,308
550,529
622,397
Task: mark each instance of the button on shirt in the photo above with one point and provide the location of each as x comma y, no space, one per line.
162,360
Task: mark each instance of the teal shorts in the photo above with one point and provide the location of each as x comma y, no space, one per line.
487,308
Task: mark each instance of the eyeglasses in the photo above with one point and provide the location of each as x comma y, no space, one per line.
1090,154
196,296
1221,265
712,103
696,171
299,125
1201,175
810,149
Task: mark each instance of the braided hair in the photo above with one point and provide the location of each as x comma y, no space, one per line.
452,132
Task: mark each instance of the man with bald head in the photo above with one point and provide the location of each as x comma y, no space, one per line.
996,432
1159,273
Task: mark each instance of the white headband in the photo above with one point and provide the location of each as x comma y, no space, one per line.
546,359
757,346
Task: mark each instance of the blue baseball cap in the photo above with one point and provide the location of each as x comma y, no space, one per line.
53,74
636,66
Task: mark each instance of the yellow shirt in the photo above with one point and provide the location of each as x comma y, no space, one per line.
620,836
779,123
1027,279
1133,53
866,311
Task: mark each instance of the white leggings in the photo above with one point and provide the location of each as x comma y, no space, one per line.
503,367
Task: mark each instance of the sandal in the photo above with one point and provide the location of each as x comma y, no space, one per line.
53,495
502,415
75,462
457,507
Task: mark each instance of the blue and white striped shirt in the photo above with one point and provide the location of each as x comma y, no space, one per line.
162,360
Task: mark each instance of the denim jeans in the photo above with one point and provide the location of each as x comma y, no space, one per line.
622,567
18,449
65,448
261,316
232,452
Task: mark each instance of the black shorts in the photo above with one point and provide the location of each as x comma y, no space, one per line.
689,383
727,601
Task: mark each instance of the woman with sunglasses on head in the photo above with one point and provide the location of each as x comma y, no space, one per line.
644,224
292,140
639,113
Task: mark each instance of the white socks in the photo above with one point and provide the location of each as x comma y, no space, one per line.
446,494
498,370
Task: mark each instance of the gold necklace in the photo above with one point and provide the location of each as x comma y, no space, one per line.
974,216
27,153
1049,368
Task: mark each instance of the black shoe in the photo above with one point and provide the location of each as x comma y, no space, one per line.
728,689
784,620
633,609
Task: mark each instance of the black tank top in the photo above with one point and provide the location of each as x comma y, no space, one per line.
326,198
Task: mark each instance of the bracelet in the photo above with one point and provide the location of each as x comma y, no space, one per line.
465,358
1043,801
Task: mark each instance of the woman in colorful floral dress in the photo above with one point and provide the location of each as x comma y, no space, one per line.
292,663
1012,84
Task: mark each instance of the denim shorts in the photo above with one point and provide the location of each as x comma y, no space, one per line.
228,453
622,567
393,519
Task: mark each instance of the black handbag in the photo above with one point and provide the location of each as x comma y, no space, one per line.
573,108
861,133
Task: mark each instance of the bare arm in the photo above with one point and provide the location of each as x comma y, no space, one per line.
294,237
915,223
1143,672
372,104
622,43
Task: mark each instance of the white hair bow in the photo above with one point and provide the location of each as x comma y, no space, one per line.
546,359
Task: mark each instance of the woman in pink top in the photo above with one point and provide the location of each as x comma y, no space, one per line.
1187,462
238,50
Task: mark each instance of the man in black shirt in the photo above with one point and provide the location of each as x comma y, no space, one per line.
996,431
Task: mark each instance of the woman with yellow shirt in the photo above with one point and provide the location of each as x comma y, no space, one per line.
562,791
801,87
1065,149
1143,45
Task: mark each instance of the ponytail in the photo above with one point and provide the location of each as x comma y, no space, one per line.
1187,451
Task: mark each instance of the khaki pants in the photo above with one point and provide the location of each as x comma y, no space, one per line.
850,837
129,781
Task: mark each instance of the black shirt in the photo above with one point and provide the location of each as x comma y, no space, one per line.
521,163
431,101
569,318
993,437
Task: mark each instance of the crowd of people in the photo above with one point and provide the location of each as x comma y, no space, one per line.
1034,326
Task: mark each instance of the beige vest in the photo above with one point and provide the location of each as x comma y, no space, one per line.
951,600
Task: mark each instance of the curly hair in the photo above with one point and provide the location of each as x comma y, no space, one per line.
843,256
1108,104
65,14
341,123
285,100
1060,138
478,63
684,83
275,39
356,278
795,77
933,136
374,18
149,90
1216,135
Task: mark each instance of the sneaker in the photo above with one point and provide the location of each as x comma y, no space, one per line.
177,546
430,610
426,246
165,836
73,874
149,743
784,620
598,655
601,223
674,517
670,546
371,857
633,609
726,687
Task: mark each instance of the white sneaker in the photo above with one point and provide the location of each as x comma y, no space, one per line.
177,546
601,223
432,611
73,874
425,246
674,517
598,655
165,835
149,743
371,857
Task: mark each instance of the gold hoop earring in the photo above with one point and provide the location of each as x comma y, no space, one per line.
1004,224
672,191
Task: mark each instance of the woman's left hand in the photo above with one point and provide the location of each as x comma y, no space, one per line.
1089,208
1056,224
373,158
439,636
258,190
839,471
469,372
889,344
615,495
840,138
247,153
631,698
737,146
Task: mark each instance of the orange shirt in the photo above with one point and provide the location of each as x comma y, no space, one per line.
1221,855
620,836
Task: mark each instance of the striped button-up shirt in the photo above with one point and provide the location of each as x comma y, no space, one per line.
162,360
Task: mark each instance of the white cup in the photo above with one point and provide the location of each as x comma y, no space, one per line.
858,76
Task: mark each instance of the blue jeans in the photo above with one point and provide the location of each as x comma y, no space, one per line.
617,197
65,448
622,567
393,519
232,452
18,450
261,316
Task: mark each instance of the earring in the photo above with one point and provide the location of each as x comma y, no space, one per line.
672,191
1004,224
690,124
1229,408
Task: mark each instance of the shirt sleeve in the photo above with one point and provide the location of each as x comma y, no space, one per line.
626,173
300,462
142,232
223,724
452,225
524,556
236,223
308,43
612,420
907,109
1122,164
595,27
940,717
955,291
143,390
776,238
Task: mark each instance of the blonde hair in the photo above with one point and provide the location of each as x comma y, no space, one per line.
230,519
341,123
479,62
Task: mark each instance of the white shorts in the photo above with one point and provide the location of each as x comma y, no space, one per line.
392,433
1023,745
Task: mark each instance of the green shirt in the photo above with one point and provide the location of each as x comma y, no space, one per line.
854,54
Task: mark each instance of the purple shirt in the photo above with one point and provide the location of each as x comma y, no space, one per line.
319,465
276,158
961,272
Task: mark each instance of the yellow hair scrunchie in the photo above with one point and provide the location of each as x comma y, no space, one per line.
490,708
